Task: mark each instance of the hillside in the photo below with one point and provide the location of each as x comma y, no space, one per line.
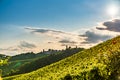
3,59
15,62
25,56
3,56
24,63
42,62
101,62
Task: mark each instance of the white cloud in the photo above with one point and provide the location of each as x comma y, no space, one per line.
59,36
21,47
113,25
89,38
57,39
24,44
94,37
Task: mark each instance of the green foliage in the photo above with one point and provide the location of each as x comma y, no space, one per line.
30,63
3,56
3,59
3,62
42,62
11,67
0,72
15,62
97,63
68,77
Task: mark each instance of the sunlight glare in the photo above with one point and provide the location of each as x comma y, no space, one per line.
112,10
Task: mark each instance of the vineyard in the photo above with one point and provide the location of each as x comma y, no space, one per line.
101,62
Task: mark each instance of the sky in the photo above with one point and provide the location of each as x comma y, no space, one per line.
34,25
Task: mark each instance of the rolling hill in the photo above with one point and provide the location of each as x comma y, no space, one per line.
3,56
21,63
15,62
42,62
101,62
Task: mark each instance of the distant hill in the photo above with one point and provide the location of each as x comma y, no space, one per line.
25,56
42,62
30,61
101,62
3,56
31,55
15,62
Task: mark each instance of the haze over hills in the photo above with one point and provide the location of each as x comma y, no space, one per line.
101,62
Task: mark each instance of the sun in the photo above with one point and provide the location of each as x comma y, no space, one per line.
112,10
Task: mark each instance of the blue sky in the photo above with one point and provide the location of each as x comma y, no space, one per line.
51,12
60,15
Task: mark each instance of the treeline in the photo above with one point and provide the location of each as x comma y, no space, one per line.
32,55
3,56
25,56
